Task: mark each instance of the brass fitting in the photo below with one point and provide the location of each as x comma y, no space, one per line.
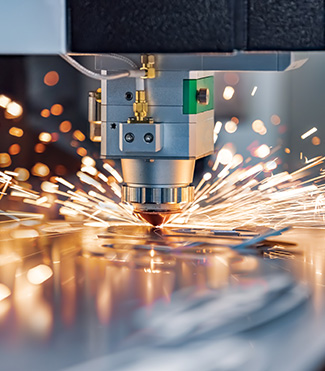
148,65
98,95
140,109
140,106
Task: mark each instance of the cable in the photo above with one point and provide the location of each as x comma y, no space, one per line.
98,76
124,59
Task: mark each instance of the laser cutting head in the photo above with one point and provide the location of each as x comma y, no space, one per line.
160,124
158,127
157,189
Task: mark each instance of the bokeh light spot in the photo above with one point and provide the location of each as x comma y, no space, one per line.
14,109
51,78
228,93
56,109
45,137
55,137
23,174
39,148
5,159
14,149
77,134
258,126
231,78
82,151
235,120
45,113
40,170
224,156
230,127
16,132
262,151
275,119
316,141
65,126
60,170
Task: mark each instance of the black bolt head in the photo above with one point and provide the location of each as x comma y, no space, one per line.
148,138
129,137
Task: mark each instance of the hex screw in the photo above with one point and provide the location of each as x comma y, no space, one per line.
148,138
129,137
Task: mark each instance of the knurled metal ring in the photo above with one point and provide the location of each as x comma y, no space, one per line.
144,195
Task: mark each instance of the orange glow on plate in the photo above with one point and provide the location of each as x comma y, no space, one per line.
14,149
39,274
51,78
4,291
65,126
56,109
45,113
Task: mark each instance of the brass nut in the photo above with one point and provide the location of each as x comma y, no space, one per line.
148,63
151,73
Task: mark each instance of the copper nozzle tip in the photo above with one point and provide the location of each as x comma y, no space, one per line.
153,217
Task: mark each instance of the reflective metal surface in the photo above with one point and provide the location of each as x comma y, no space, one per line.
132,297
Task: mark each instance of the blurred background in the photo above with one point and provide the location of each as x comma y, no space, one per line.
259,115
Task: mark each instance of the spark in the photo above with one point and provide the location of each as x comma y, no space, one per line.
38,202
216,130
254,91
112,171
64,182
309,133
233,194
244,197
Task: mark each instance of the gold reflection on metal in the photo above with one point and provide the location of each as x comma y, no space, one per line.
39,274
4,292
